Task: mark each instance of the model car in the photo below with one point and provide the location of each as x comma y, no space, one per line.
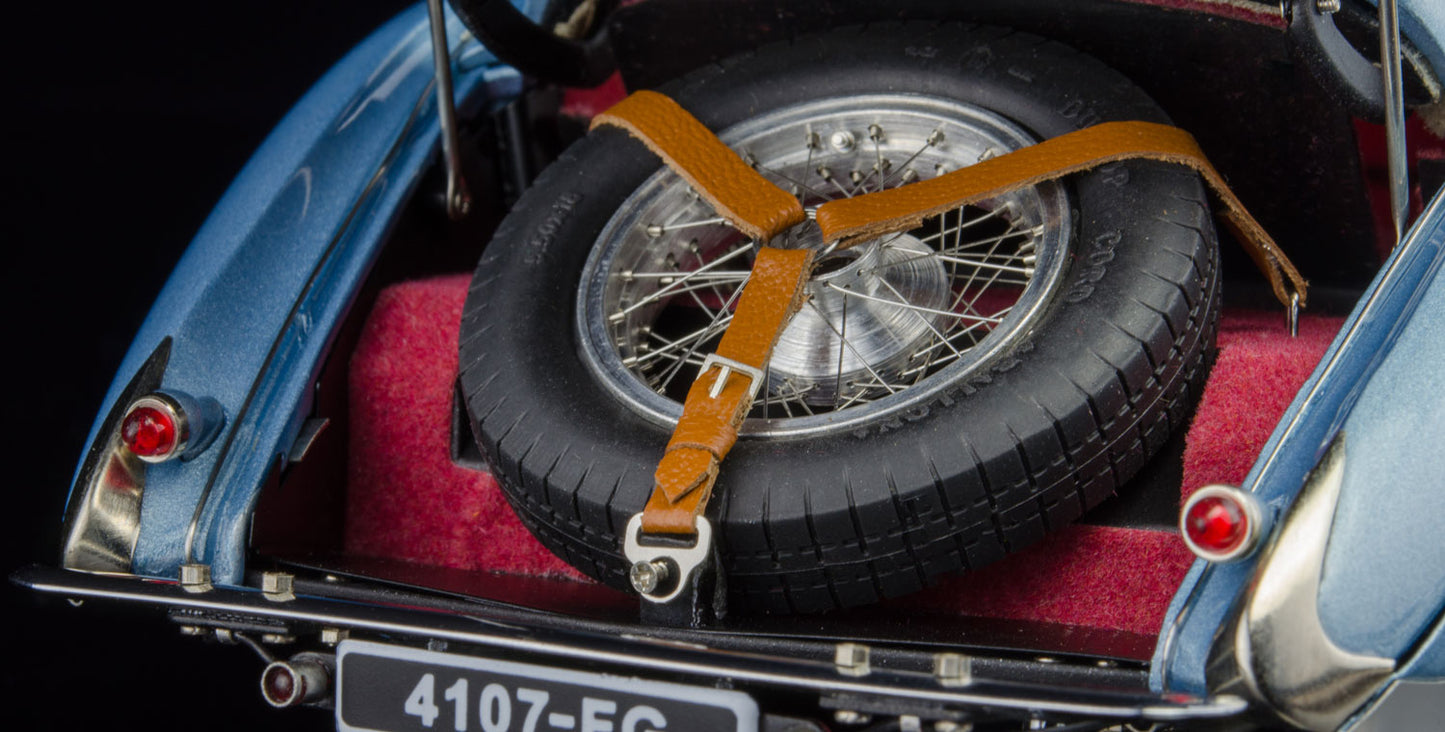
410,483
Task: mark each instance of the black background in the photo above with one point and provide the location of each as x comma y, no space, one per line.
133,118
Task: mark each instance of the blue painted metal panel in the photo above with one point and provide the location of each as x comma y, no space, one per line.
1384,573
1320,409
253,301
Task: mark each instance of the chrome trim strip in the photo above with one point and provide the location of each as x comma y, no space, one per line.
1394,104
643,654
1373,310
1282,651
102,520
103,534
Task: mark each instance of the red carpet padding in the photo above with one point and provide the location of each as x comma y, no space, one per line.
1090,576
1258,371
407,501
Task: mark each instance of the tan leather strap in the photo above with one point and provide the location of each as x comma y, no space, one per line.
722,394
860,218
738,193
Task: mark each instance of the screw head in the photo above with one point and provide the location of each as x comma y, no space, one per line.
842,140
646,577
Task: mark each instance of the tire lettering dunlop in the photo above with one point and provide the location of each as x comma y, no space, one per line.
1115,174
1100,252
1078,110
542,240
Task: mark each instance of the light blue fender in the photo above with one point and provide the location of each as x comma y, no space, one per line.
255,299
1383,580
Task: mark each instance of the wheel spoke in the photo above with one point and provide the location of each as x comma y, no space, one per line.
851,347
904,301
826,174
1025,271
842,338
972,276
667,290
991,255
692,247
656,230
705,279
790,179
933,139
717,324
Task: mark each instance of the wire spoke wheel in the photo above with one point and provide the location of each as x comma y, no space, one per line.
883,320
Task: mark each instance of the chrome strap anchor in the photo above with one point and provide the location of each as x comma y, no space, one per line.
662,573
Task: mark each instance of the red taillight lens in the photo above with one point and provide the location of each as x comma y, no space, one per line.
149,432
156,428
305,679
278,685
1220,523
1216,524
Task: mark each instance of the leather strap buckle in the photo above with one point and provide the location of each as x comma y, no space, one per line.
725,368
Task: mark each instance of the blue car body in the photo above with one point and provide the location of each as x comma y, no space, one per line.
273,269
250,312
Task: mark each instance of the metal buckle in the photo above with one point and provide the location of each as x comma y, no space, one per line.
658,563
726,366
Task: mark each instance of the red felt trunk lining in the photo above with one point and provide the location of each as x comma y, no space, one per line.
407,501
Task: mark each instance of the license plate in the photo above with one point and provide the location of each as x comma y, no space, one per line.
396,689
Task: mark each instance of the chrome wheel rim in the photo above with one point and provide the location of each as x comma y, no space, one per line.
888,323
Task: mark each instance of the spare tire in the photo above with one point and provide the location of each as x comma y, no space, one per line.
946,397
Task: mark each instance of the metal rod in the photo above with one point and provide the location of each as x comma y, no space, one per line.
459,201
1394,117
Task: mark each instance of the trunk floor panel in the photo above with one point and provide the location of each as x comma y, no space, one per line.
408,502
